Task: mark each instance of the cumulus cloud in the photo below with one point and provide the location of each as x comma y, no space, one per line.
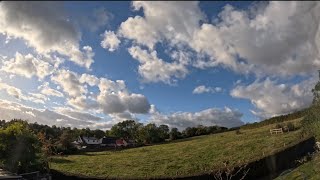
174,21
45,89
272,98
154,69
110,41
59,117
203,89
246,41
89,79
119,117
77,114
27,66
70,83
273,46
222,117
115,98
19,95
44,26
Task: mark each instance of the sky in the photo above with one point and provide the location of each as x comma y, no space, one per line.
183,64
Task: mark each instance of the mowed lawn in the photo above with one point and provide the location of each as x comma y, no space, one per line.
179,158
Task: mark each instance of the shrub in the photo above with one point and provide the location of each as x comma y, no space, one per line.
290,126
311,122
238,131
278,126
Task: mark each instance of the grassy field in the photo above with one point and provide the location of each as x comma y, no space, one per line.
309,170
180,158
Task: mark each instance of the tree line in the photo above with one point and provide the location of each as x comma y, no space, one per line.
26,147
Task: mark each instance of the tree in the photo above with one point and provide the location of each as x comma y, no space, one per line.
190,131
126,129
174,134
64,144
46,150
164,132
150,134
98,133
19,148
311,122
316,93
201,130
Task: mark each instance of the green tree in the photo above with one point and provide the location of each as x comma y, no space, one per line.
164,132
150,134
19,148
126,129
64,144
316,93
174,134
311,122
98,133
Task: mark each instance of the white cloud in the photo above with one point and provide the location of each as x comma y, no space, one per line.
279,39
245,41
19,95
70,83
77,114
272,98
112,98
45,89
174,21
27,66
110,41
203,89
59,117
39,96
119,117
89,79
79,102
209,117
115,98
44,26
12,91
154,69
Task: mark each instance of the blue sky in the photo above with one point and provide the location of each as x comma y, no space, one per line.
93,64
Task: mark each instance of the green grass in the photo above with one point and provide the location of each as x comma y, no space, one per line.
309,170
180,158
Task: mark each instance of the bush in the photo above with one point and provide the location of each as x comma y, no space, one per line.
311,122
278,126
238,131
291,126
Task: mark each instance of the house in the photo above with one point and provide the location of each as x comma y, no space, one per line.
121,142
108,141
84,142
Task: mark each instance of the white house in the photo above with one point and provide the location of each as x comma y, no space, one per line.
89,140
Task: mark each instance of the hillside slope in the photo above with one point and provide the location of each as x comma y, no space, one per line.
191,156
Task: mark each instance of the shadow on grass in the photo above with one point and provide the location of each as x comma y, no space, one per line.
86,153
58,160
